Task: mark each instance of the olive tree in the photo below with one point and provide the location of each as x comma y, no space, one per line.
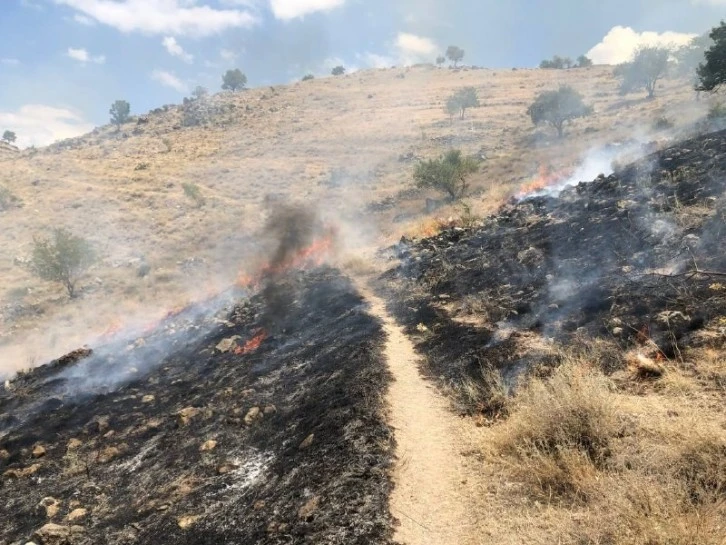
449,173
233,80
62,258
555,108
338,71
454,54
120,111
649,64
712,73
461,100
9,137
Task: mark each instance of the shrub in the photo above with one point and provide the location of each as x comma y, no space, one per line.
9,137
62,258
338,71
192,191
555,108
560,430
717,112
454,54
308,77
557,63
200,92
440,60
712,73
662,123
583,61
7,199
119,113
448,174
234,80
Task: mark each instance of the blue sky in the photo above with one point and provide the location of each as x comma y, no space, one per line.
63,62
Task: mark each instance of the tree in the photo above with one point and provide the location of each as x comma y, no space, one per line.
461,100
440,60
200,92
454,54
712,72
233,80
555,108
448,173
649,64
557,63
567,63
119,113
62,258
583,62
338,71
308,77
9,137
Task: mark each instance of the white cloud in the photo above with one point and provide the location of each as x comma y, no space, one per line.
82,56
176,17
291,9
83,20
620,43
39,125
169,80
9,62
374,60
227,55
414,46
176,50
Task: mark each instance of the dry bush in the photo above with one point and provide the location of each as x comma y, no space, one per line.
560,433
488,394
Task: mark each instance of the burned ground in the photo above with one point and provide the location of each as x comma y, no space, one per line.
283,444
634,258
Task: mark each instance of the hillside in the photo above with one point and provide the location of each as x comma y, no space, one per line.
347,144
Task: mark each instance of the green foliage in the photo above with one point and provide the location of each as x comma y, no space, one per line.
555,108
712,73
308,77
338,71
461,100
557,63
9,137
649,64
62,258
120,111
583,61
454,54
192,191
234,80
200,92
448,173
440,60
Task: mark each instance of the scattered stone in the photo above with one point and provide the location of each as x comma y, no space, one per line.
148,399
208,445
56,534
77,514
227,467
99,424
307,442
73,444
108,454
307,511
270,409
225,345
4,454
39,451
253,415
187,521
50,506
259,504
186,415
20,473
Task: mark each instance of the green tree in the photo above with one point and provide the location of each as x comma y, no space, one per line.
448,173
712,72
555,108
9,137
338,71
461,100
440,60
556,63
200,92
454,54
119,111
62,258
583,61
308,77
649,64
234,80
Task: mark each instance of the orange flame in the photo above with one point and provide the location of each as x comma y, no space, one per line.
546,177
251,345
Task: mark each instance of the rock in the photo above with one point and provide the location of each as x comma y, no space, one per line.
76,514
186,415
307,442
270,409
259,504
99,424
208,445
225,345
73,444
49,506
307,511
108,454
226,468
55,534
39,451
253,415
4,454
187,521
148,399
23,472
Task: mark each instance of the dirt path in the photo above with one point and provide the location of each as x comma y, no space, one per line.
435,494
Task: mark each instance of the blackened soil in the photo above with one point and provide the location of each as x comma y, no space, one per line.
613,260
143,466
